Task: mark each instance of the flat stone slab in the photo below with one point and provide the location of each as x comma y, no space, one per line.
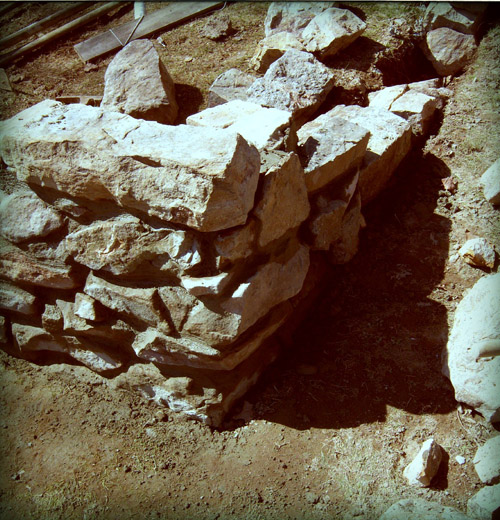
329,146
390,141
137,83
475,375
229,86
421,509
297,82
331,31
448,50
487,461
265,128
97,155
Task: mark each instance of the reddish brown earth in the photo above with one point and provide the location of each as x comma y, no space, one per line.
329,429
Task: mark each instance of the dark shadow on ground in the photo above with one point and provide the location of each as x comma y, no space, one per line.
189,100
374,338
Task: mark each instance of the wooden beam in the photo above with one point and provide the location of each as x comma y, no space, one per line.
173,14
7,58
45,23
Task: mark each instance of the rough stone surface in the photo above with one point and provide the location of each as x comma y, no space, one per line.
283,202
218,27
425,465
90,153
38,218
86,307
421,509
15,299
448,50
230,85
206,285
265,128
476,332
478,252
331,31
236,244
490,180
390,141
297,82
487,461
272,48
485,504
292,17
137,83
138,303
443,14
19,267
329,146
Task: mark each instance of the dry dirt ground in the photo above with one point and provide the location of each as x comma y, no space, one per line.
329,429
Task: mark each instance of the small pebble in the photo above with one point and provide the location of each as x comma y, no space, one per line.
460,459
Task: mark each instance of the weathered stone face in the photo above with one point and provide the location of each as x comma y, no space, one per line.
273,47
229,86
98,155
137,83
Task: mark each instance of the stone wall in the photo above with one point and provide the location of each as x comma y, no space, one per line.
169,258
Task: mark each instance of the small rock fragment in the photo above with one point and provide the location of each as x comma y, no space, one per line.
478,252
485,504
487,461
490,181
425,465
450,184
460,460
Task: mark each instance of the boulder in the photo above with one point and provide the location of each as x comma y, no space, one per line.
218,27
15,299
20,267
297,82
137,83
31,339
448,50
329,147
24,216
273,47
444,14
390,141
485,504
98,155
292,17
228,86
331,31
425,465
490,181
265,128
283,203
139,303
478,252
421,509
475,375
487,461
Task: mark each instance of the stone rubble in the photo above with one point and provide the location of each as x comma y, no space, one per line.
177,260
421,509
456,17
137,83
472,363
425,465
485,504
487,461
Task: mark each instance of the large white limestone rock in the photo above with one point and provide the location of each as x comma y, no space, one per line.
24,216
297,82
331,31
443,14
272,48
228,86
265,128
474,374
485,504
448,50
390,141
487,461
137,83
283,202
490,181
421,509
201,177
329,146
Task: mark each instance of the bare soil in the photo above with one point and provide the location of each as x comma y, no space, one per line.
328,430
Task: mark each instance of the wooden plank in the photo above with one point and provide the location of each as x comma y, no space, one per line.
173,14
45,23
92,15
